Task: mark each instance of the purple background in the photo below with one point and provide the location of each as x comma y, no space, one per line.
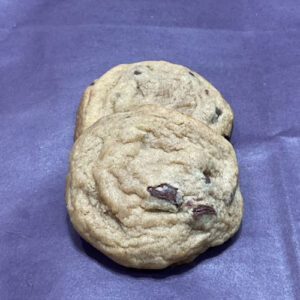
51,50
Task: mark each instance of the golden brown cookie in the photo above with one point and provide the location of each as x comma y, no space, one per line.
125,87
153,187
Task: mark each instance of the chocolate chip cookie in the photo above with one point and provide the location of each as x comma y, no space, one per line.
153,187
125,87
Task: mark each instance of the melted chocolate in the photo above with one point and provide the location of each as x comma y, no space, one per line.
165,192
201,210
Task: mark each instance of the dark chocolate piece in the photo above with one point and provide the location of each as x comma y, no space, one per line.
137,72
218,111
232,196
191,74
203,210
164,191
207,175
216,116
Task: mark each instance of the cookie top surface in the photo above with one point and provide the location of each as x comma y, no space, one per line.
125,87
153,187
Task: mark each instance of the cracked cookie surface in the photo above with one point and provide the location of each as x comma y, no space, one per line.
125,87
153,187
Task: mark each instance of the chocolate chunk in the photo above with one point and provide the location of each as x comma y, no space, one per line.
191,74
92,83
207,92
203,210
232,196
207,180
218,111
207,175
164,191
137,72
216,116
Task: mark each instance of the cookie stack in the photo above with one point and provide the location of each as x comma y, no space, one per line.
152,181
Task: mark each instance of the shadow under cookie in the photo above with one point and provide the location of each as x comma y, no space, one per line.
84,247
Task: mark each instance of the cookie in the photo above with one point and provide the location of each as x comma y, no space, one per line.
153,187
125,87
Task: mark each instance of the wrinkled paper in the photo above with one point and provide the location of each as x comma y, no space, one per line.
51,50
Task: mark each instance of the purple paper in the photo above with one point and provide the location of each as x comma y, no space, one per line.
51,50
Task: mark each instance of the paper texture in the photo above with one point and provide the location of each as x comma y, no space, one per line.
51,50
